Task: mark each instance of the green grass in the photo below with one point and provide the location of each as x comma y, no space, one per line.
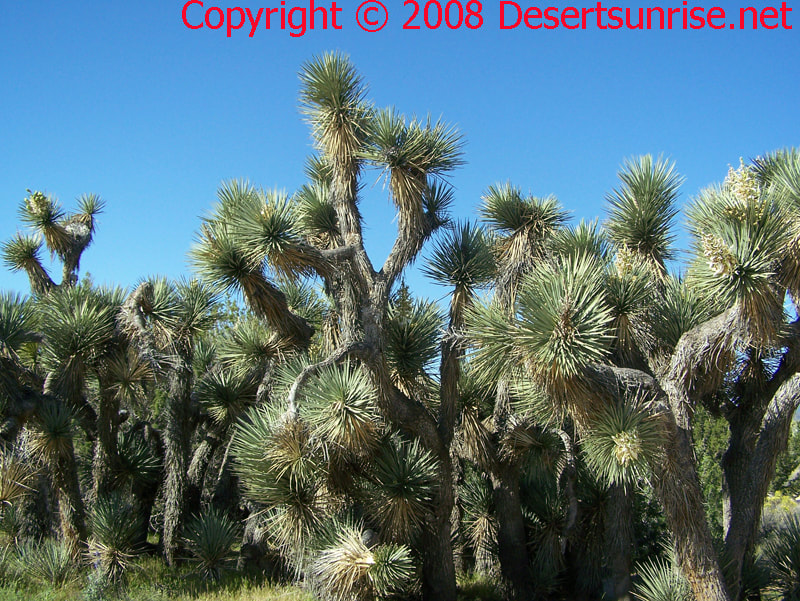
149,579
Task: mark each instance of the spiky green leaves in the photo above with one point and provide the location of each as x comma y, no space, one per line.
225,394
340,405
680,308
209,538
642,209
562,323
276,461
348,569
623,440
17,323
782,557
21,253
463,259
15,479
79,329
333,99
412,338
406,481
661,581
411,152
739,241
115,533
49,561
524,224
51,435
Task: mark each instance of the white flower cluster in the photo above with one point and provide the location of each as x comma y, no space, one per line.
743,186
37,204
628,447
626,260
720,259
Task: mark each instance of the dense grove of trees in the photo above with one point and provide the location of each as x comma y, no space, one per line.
588,416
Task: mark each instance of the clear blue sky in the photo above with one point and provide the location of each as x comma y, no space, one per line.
121,99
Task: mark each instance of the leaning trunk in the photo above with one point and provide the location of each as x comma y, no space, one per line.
748,476
679,490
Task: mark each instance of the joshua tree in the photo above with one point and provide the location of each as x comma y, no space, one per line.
319,231
165,320
718,338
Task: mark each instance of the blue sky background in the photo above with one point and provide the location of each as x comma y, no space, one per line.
121,99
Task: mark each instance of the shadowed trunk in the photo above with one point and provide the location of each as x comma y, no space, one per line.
106,455
748,469
70,503
176,454
511,540
618,543
438,569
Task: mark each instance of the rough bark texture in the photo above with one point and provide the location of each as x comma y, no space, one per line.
176,454
106,455
618,543
70,503
748,476
511,539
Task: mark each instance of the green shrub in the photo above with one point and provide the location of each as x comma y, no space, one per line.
209,538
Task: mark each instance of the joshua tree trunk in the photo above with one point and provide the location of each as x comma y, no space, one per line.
757,439
176,453
439,580
618,543
106,455
512,549
70,503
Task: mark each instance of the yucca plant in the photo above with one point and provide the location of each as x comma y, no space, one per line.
563,323
623,440
15,480
412,344
281,471
340,407
346,569
115,528
404,476
479,521
643,208
660,580
50,561
209,538
17,323
781,553
739,242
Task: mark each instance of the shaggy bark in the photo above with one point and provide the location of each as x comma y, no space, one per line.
177,435
511,539
748,476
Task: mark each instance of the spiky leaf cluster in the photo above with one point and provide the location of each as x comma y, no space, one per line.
524,225
738,244
17,323
115,534
412,337
642,210
562,323
405,476
209,538
347,569
340,406
624,439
